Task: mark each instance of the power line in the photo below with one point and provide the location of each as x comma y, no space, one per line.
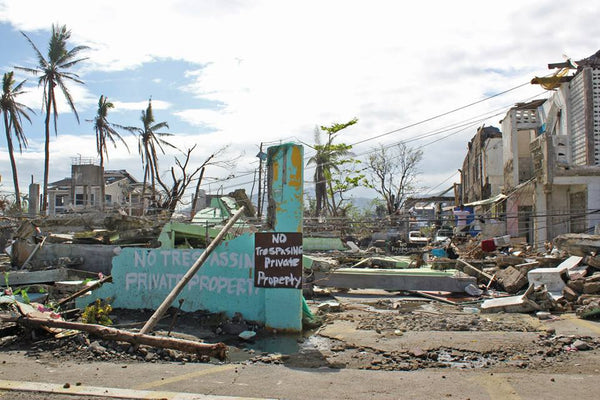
444,113
441,130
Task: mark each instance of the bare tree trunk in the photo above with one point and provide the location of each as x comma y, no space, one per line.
13,163
102,185
144,189
195,201
44,207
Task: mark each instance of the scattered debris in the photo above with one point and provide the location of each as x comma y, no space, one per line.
456,285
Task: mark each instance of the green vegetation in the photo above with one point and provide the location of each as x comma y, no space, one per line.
98,313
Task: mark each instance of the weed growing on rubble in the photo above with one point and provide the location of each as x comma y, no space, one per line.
98,313
24,295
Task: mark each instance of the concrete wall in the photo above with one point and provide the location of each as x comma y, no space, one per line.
493,165
96,258
142,278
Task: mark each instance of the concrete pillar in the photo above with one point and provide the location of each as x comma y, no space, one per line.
283,307
34,199
593,203
540,221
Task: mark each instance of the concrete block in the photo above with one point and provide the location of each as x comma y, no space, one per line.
552,278
576,285
512,279
569,294
591,287
394,279
511,304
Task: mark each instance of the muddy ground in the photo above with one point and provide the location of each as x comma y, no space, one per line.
360,330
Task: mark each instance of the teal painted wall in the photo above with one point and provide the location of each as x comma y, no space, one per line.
144,277
283,307
225,283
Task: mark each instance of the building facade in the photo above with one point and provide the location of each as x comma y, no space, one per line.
92,188
550,159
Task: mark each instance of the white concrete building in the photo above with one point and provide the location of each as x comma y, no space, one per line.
83,190
551,156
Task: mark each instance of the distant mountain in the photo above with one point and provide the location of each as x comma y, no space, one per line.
362,203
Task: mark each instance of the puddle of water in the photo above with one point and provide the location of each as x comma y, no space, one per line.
315,342
289,344
282,344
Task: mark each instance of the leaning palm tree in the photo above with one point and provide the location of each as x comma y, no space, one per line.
106,132
12,112
148,141
53,71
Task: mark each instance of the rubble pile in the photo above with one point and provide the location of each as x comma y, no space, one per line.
464,287
405,337
564,278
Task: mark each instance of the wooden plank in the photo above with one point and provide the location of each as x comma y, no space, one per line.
476,271
16,278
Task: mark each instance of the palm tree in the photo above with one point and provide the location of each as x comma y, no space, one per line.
12,112
149,139
53,72
106,132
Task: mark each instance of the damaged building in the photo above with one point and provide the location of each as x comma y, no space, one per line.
90,187
550,160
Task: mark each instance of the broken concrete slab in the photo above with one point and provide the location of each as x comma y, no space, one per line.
96,258
390,261
578,243
353,247
510,304
482,342
322,244
552,278
316,263
535,298
395,279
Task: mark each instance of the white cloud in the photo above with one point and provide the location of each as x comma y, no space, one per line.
140,105
278,68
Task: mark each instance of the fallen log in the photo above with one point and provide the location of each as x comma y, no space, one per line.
216,350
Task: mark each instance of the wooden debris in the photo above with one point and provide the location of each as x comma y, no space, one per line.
35,250
478,273
85,290
216,350
432,297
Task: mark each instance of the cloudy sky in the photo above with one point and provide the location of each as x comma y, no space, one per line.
238,73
